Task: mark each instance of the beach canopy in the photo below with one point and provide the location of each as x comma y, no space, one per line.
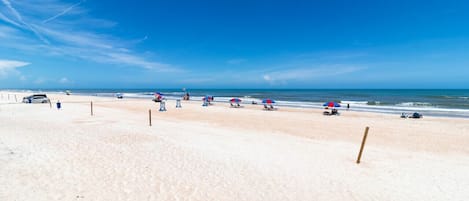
331,104
159,93
268,101
235,100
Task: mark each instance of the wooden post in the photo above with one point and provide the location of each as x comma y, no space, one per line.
16,100
363,145
50,104
91,108
8,96
149,117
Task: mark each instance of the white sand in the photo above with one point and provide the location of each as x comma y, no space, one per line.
221,153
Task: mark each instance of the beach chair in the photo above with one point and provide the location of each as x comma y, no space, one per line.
335,112
404,115
162,106
236,105
268,107
205,104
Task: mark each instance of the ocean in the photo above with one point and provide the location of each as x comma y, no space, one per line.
429,102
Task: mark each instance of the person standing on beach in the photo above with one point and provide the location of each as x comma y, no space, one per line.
59,105
348,106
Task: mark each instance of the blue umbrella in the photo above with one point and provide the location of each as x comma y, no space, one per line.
331,104
208,98
159,93
268,101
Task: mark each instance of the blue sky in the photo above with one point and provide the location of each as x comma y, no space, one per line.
234,44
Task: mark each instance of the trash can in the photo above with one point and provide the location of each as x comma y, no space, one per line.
59,105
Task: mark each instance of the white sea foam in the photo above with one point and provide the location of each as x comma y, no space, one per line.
418,104
354,102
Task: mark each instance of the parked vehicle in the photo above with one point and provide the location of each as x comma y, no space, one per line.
36,98
119,96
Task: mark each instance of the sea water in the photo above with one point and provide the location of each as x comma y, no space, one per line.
431,102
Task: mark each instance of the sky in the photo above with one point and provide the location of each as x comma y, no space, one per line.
234,44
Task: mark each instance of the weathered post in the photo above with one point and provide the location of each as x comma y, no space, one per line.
363,145
91,108
149,117
16,100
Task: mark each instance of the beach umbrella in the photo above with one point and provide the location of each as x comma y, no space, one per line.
208,97
331,104
159,93
235,100
268,101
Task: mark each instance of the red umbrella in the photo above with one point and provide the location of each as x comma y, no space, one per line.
235,100
331,104
268,101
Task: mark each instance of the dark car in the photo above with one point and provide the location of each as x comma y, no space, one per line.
36,98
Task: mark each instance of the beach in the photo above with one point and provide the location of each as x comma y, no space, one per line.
223,153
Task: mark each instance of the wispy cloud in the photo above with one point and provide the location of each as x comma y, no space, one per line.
64,80
302,74
22,23
40,80
74,36
62,13
8,66
236,61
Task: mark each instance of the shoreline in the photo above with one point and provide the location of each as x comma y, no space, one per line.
383,109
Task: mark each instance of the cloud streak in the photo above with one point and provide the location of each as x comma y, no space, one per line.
62,13
304,74
236,61
73,37
22,23
7,66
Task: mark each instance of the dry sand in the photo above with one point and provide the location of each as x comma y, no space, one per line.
223,153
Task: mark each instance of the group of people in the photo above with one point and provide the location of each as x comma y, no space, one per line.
159,97
186,96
